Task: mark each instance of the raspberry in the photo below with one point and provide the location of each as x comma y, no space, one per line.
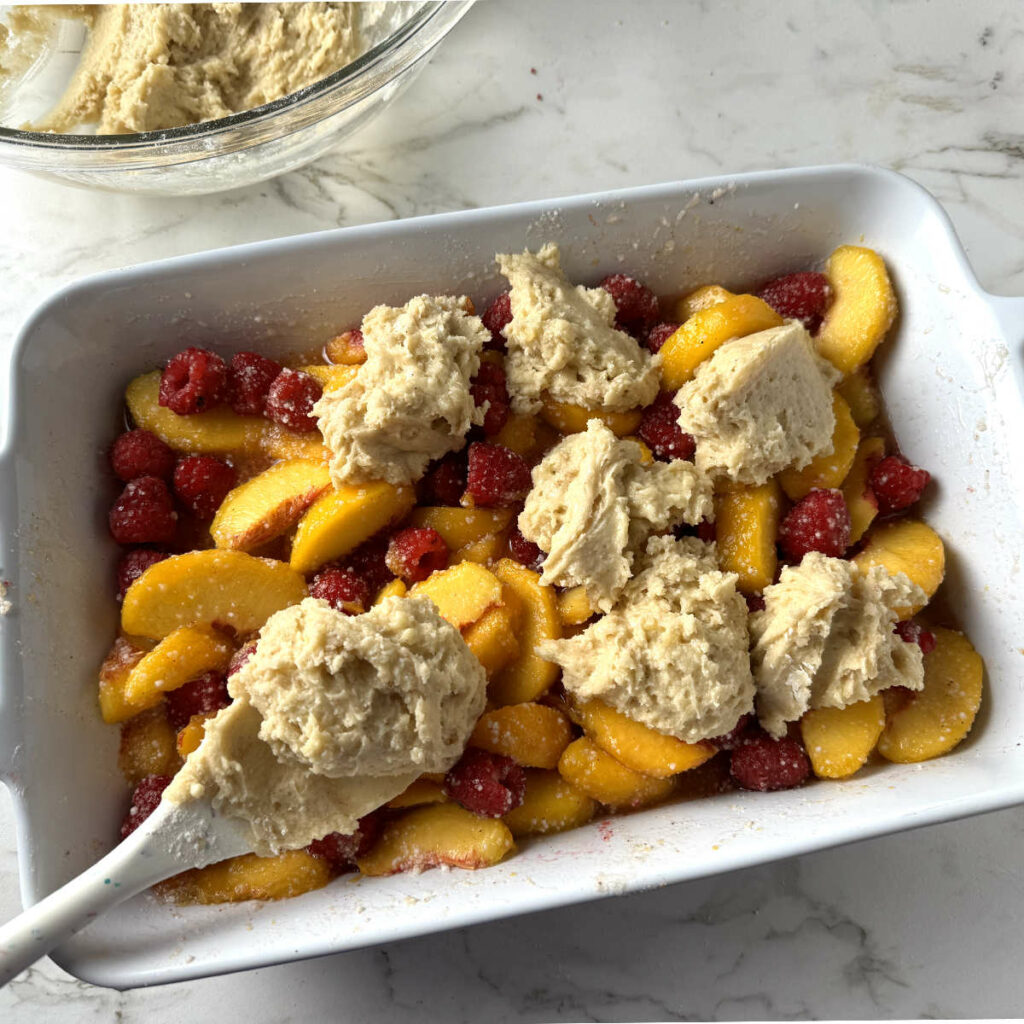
896,483
240,657
486,784
765,764
368,563
706,530
291,398
498,315
755,602
132,565
736,736
818,522
144,513
804,296
199,697
636,305
489,386
661,432
524,551
342,589
341,851
140,453
658,335
202,483
912,633
193,381
145,800
497,477
446,482
415,552
250,376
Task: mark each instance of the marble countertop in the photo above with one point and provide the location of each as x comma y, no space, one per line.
533,99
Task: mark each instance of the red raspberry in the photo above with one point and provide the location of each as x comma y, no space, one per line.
250,376
736,736
913,633
341,851
416,552
489,386
193,381
342,589
765,764
489,785
896,483
199,697
661,432
240,657
202,483
804,296
818,522
291,398
497,316
446,482
636,304
658,335
497,477
755,602
524,551
706,530
144,513
132,565
368,562
145,800
140,453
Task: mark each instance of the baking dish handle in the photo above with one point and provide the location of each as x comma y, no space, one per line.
10,710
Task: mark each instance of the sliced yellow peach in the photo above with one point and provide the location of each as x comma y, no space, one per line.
908,546
861,396
345,350
268,504
485,551
123,656
251,878
551,805
932,721
462,592
279,443
461,526
646,455
192,734
707,330
860,500
591,770
343,518
863,307
638,746
746,527
574,607
533,735
573,419
434,835
147,746
331,377
396,588
204,587
518,434
831,467
704,297
839,740
493,638
529,675
417,794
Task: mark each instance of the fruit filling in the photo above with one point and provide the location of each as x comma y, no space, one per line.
458,581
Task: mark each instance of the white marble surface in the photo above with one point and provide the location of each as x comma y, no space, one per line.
924,924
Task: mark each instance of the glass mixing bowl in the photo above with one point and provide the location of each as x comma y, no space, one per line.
244,148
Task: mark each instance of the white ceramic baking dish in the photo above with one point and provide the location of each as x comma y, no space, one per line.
952,375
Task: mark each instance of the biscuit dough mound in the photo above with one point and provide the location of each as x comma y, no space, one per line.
561,340
672,653
594,504
760,404
410,402
825,639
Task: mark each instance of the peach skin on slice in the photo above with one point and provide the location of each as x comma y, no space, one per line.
204,587
746,527
551,805
839,740
932,721
343,518
860,500
586,766
268,504
492,638
861,396
862,310
704,297
533,735
251,878
908,546
573,419
462,592
427,837
461,526
829,469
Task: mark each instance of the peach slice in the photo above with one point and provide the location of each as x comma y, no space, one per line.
331,378
573,419
830,468
204,587
343,350
250,878
462,592
485,551
746,527
707,330
586,766
910,547
529,675
860,500
434,835
646,455
533,735
280,443
574,607
396,588
637,746
493,638
123,656
147,746
862,310
461,526
704,297
519,434
840,740
861,396
551,805
343,518
268,504
932,721
418,793
192,734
